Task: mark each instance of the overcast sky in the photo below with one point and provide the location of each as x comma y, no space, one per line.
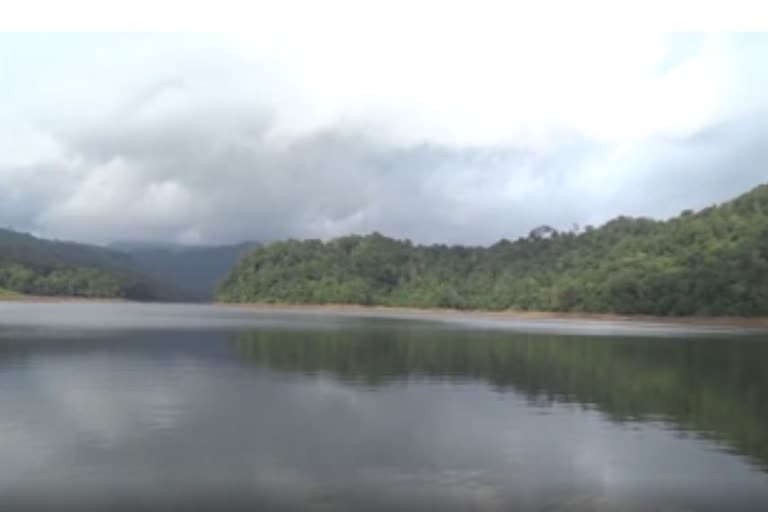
439,126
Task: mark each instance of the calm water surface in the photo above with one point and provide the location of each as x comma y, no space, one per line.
169,407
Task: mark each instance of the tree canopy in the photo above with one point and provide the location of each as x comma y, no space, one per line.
169,272
711,262
30,265
68,281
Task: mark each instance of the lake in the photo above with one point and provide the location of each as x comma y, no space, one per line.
121,406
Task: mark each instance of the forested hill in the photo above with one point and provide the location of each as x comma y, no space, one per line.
35,266
711,262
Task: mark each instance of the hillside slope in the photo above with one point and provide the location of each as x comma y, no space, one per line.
713,262
36,266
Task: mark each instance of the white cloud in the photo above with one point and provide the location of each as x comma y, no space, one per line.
433,125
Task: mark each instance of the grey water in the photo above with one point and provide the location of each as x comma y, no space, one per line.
185,407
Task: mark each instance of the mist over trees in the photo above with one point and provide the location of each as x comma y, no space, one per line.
35,266
712,262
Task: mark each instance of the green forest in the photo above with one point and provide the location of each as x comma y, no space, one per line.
68,281
35,266
711,262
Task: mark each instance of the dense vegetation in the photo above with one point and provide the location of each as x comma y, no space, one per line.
35,266
7,293
714,262
68,281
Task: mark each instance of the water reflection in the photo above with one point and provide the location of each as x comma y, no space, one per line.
385,415
710,387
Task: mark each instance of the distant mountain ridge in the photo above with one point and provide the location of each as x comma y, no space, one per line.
32,265
195,270
711,262
38,266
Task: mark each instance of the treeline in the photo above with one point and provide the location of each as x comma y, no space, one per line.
66,281
35,266
713,262
131,270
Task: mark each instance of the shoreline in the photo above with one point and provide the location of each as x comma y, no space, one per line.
703,321
700,321
20,297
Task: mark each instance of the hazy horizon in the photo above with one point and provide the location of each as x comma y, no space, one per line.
128,245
